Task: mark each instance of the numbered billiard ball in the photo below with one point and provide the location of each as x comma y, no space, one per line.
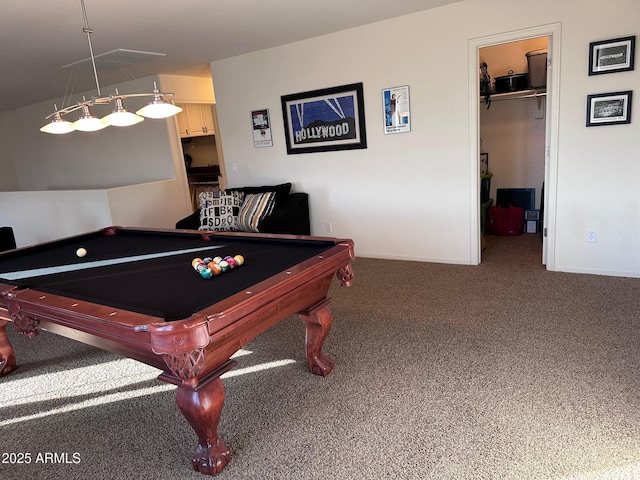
206,273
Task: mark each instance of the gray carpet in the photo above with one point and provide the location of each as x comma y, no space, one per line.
498,371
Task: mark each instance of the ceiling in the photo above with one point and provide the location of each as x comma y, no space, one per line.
39,37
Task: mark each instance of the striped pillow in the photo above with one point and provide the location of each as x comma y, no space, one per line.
256,206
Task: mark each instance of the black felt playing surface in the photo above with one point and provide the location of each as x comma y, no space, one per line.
166,287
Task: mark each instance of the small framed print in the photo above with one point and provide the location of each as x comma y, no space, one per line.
397,115
609,108
261,128
610,56
484,163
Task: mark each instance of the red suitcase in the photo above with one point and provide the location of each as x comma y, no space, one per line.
505,219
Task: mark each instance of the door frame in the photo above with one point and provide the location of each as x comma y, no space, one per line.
552,31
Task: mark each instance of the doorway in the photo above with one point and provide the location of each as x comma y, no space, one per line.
512,133
546,107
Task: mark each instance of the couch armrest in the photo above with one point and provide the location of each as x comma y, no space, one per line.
192,222
7,239
290,217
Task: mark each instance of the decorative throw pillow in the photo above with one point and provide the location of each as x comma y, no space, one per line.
256,206
219,210
282,191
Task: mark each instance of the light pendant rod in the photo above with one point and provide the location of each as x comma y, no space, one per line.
88,31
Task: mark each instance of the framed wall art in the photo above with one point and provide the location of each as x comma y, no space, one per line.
324,120
484,163
397,116
261,128
609,108
610,56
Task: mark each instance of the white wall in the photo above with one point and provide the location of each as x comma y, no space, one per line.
9,179
407,195
151,208
41,216
38,217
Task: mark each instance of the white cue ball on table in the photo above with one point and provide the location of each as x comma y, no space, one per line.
81,252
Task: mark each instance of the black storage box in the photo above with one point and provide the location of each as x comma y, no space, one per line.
512,82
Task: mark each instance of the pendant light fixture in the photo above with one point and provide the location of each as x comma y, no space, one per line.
158,107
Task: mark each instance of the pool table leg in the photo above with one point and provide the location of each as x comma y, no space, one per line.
7,357
318,321
202,409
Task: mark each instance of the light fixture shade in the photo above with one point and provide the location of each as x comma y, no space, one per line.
159,108
87,122
120,117
58,126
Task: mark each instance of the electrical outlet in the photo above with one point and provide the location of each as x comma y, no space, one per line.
328,227
592,235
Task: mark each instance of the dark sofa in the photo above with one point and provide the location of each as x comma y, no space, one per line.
290,214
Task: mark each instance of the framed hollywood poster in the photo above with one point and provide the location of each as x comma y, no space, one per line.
397,115
609,56
324,120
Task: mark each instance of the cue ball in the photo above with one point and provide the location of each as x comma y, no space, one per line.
81,252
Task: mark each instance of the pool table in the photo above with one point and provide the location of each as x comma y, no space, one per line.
136,293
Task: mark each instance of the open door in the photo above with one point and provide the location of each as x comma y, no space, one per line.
548,194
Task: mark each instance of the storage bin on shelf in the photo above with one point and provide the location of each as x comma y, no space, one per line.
537,64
